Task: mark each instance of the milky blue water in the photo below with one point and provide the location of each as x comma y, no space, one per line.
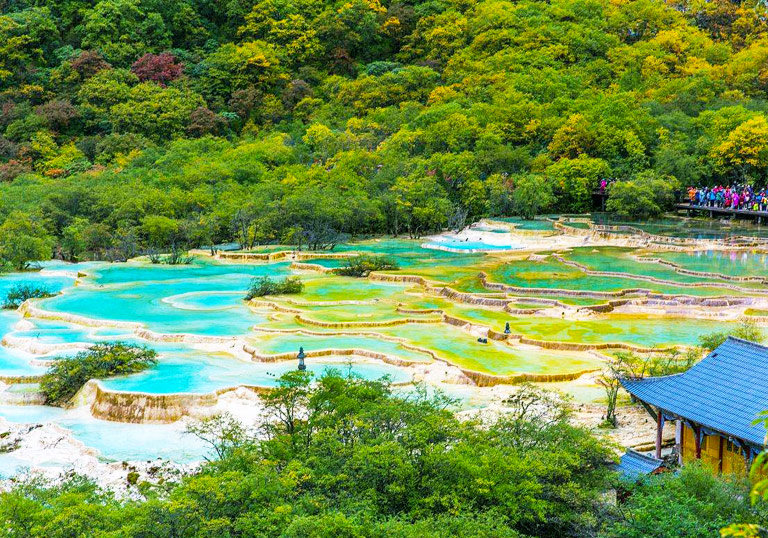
206,300
114,441
58,332
202,298
190,371
53,282
119,441
455,243
14,362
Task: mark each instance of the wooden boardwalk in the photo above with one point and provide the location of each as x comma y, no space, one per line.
744,213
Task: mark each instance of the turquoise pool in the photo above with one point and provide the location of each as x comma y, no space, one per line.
457,244
182,370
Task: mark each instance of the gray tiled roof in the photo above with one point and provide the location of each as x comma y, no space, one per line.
634,464
724,392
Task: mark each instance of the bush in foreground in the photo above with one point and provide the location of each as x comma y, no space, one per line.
67,375
364,265
262,286
696,504
23,291
348,458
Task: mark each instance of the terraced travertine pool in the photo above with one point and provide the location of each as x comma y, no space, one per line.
727,262
385,325
552,274
691,228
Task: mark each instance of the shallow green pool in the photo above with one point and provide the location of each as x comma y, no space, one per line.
552,274
734,263
689,228
539,224
622,260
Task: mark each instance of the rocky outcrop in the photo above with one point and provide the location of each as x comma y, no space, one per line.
186,338
472,298
423,311
253,256
9,397
301,266
52,452
563,228
258,303
280,255
19,379
583,346
387,277
35,347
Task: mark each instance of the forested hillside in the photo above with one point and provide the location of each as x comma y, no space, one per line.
128,125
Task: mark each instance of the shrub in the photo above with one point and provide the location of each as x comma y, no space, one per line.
23,291
647,195
531,196
696,504
23,240
67,375
132,478
747,329
361,266
261,286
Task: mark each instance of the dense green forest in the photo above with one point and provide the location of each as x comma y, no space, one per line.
133,126
345,458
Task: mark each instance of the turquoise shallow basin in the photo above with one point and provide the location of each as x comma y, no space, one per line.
188,371
114,441
203,298
539,224
457,244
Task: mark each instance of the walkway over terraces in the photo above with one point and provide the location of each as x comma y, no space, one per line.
761,216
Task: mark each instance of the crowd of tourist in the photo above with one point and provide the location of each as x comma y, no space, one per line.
742,197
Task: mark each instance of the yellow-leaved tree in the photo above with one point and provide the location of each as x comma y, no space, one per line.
745,149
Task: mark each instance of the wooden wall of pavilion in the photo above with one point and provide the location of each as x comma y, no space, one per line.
718,453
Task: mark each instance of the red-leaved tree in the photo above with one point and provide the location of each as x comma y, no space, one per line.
89,63
160,68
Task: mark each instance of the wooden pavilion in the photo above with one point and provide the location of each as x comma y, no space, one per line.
714,406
